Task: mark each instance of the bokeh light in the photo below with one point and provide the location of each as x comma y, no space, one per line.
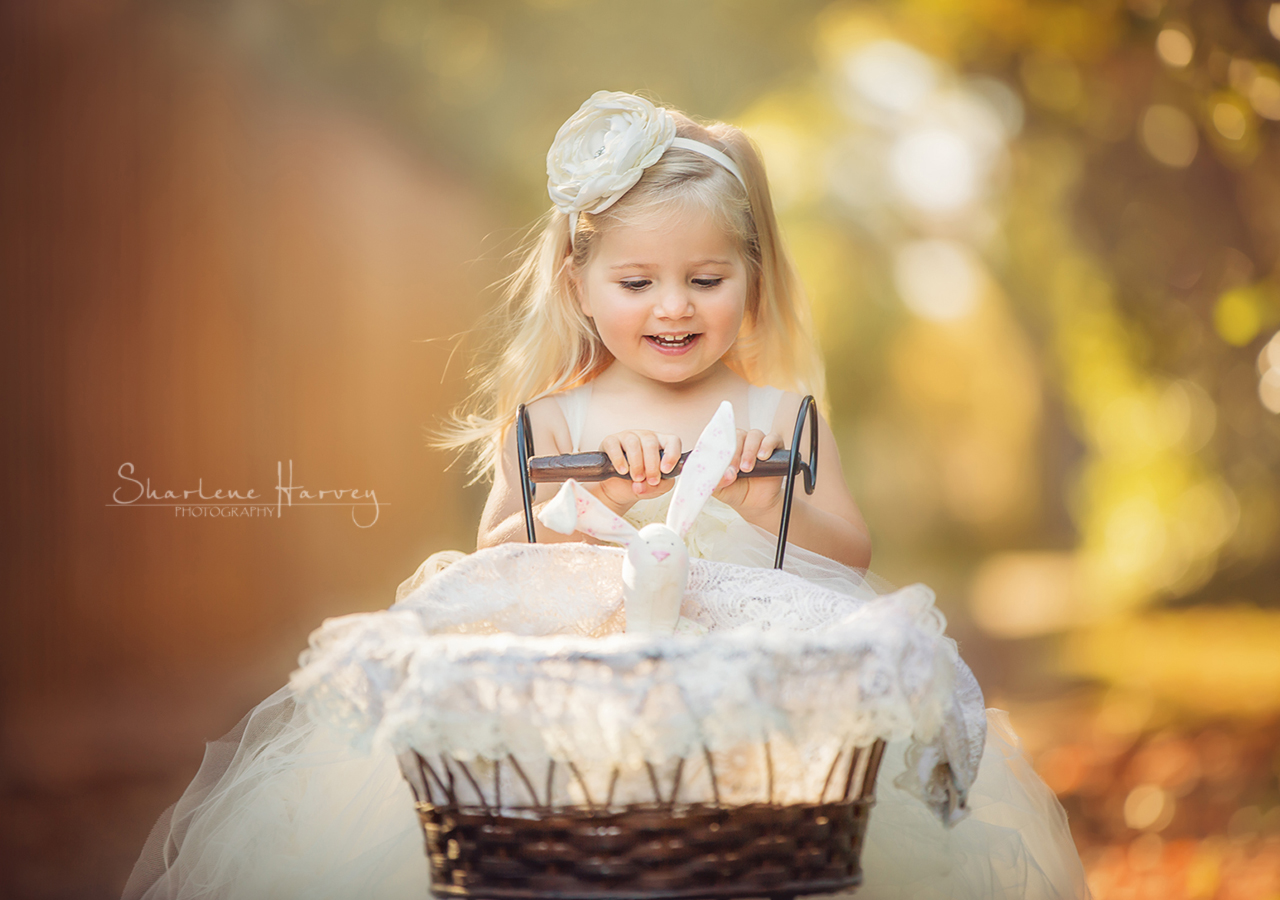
938,279
1229,119
1149,807
1169,135
892,76
1269,389
935,169
1175,46
1264,94
1020,595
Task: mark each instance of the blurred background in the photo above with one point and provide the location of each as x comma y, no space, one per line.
1041,239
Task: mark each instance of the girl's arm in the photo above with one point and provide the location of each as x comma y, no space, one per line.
502,521
827,521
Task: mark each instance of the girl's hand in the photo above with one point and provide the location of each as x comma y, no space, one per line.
643,456
753,498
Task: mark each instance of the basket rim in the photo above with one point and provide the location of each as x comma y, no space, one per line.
581,811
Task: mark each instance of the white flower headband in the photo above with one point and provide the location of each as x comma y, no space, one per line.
604,148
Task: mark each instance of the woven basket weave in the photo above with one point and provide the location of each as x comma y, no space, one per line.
645,851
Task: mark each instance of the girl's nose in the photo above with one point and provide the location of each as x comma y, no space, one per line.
674,303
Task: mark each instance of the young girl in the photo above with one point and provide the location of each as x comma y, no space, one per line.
658,289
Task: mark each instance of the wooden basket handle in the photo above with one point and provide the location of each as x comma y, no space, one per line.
595,466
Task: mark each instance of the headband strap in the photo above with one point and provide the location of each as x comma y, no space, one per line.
712,154
680,143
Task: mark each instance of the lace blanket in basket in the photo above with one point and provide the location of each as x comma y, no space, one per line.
516,652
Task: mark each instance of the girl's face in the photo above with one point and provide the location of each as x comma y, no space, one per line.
667,295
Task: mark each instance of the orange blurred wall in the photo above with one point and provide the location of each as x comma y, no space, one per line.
206,272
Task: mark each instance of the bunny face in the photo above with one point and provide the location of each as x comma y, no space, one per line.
654,576
658,546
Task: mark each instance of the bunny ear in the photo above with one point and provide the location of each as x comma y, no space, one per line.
577,509
703,469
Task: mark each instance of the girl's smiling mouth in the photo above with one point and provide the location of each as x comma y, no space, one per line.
672,343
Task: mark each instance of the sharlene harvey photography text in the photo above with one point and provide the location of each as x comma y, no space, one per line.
241,502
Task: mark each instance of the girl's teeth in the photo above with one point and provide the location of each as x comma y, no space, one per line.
673,340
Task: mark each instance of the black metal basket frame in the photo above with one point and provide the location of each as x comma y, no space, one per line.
796,465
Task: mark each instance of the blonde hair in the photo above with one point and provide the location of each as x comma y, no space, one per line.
549,345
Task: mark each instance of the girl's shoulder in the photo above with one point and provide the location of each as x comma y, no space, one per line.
773,405
549,426
556,420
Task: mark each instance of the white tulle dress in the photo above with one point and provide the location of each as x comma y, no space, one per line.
304,799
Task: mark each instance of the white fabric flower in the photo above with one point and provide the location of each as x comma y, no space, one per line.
604,148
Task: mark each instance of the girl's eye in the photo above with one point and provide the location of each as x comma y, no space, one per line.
708,282
635,284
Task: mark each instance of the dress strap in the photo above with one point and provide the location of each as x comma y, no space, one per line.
762,406
573,404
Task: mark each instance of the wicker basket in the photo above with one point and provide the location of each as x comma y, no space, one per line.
644,851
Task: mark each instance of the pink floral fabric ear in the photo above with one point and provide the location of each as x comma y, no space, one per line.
575,508
703,470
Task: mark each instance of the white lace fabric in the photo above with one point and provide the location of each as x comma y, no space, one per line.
520,648
516,651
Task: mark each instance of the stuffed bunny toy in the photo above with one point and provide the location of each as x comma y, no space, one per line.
656,568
